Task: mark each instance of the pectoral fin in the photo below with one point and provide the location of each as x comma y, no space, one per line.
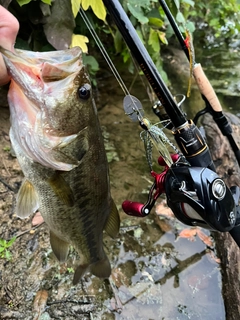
62,189
113,223
27,201
59,247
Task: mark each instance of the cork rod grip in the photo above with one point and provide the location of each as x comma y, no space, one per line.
206,88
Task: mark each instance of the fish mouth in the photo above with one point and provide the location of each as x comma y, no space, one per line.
60,56
32,69
38,80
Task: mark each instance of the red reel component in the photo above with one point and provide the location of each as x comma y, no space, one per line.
138,209
133,208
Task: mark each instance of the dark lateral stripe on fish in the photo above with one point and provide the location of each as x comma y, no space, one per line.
87,222
88,227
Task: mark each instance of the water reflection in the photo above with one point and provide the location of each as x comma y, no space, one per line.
159,276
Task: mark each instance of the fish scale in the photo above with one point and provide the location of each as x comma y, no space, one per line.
62,157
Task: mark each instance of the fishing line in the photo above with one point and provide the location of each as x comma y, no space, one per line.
104,52
112,67
146,85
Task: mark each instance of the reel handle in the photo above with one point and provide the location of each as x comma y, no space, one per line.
133,208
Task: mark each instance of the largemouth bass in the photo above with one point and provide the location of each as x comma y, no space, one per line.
57,139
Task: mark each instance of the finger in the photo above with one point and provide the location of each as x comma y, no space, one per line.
9,27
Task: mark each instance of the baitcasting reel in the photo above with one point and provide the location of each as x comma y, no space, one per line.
197,196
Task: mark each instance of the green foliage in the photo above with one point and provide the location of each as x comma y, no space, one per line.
217,19
7,148
23,2
155,31
4,246
70,270
97,7
138,9
44,24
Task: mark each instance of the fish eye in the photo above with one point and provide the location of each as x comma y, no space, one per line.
84,92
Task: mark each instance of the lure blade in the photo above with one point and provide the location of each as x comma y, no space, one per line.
133,107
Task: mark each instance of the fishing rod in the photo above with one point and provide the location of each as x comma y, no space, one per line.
186,133
209,96
194,192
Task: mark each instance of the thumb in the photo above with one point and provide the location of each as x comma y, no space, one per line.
9,27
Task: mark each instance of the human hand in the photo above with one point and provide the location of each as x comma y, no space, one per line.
9,27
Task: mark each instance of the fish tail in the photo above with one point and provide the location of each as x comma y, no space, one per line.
101,268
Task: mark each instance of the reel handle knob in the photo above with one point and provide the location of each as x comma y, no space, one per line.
133,208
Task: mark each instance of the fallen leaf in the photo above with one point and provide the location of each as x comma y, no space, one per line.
37,219
119,278
213,257
163,210
188,233
205,239
40,302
